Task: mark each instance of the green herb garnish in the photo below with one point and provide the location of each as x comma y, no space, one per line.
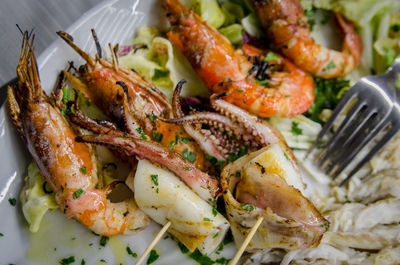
84,170
104,240
12,201
78,193
159,74
153,257
157,136
295,129
154,178
248,207
130,252
67,261
189,155
152,117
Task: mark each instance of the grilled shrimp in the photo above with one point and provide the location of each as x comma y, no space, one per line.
68,166
288,29
132,101
273,88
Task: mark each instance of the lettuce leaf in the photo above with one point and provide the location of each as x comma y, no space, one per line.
35,201
210,11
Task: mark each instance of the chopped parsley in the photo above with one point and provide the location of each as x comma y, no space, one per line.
203,259
212,159
286,155
326,226
158,74
328,93
83,262
262,82
104,240
84,170
1,234
207,219
130,252
188,168
248,207
152,117
200,258
330,65
154,178
214,208
67,261
12,201
310,14
271,57
153,257
142,134
157,136
125,134
183,248
215,235
78,193
189,155
295,129
239,90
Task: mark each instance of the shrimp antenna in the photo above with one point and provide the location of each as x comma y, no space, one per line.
96,41
70,41
114,56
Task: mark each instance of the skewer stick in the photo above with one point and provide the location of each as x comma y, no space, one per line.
153,243
246,241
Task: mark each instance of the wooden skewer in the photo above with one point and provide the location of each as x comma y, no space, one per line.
153,243
246,241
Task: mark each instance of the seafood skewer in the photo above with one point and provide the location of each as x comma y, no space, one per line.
68,166
289,30
156,239
246,242
265,183
264,88
182,198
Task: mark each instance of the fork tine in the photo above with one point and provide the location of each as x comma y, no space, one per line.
389,135
346,100
348,153
352,115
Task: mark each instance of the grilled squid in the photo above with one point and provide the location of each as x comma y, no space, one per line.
164,197
266,183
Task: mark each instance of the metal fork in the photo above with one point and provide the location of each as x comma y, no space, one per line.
371,109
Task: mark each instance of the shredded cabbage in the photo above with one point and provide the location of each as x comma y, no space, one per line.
35,201
162,64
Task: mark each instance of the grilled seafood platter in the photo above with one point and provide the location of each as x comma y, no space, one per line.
205,128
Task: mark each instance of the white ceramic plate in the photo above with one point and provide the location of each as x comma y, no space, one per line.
59,238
